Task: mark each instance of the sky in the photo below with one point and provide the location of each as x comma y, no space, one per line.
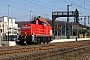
20,9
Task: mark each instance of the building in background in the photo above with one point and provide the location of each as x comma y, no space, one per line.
10,26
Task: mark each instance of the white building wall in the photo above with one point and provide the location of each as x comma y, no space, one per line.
3,28
5,19
13,20
16,26
10,20
12,26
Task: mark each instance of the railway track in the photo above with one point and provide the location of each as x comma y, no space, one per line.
39,52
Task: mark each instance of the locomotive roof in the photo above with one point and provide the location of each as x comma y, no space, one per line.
43,20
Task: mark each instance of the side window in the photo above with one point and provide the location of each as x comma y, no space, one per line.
40,22
3,25
1,30
45,24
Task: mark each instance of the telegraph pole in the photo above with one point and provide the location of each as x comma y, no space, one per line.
8,22
77,21
68,27
89,26
30,15
0,37
57,28
65,28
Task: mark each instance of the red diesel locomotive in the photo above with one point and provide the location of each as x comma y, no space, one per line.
36,32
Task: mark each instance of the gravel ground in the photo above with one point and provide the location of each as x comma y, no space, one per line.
85,56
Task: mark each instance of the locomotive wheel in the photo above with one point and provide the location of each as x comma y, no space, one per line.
29,40
44,42
35,43
47,42
39,42
21,42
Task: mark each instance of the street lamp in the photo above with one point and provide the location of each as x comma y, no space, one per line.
72,28
57,28
30,14
68,26
65,28
89,25
61,30
8,22
81,28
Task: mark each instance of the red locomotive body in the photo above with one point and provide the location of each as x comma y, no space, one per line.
38,31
